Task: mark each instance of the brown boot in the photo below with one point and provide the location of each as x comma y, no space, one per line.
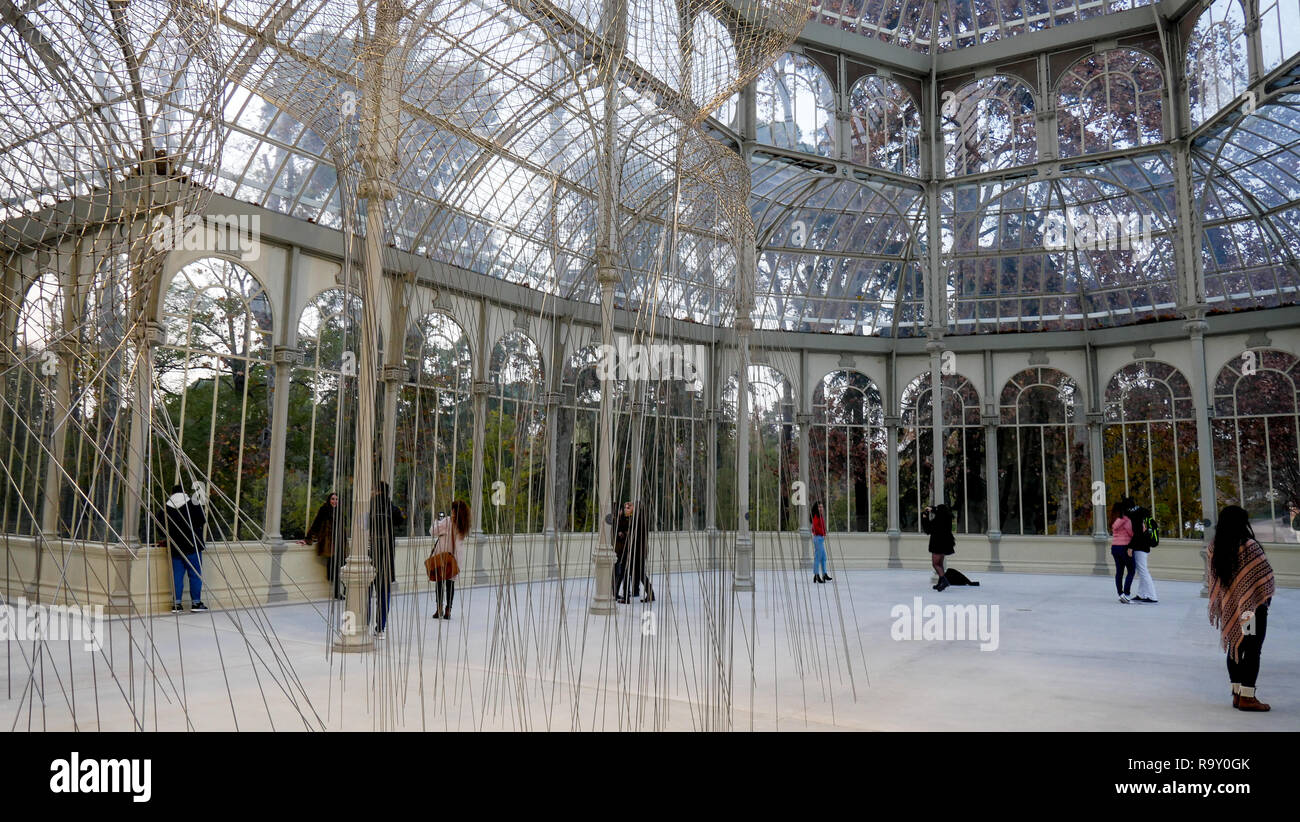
1248,701
1236,699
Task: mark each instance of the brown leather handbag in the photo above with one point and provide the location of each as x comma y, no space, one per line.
441,566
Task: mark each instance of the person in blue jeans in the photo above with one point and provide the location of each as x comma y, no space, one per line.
819,544
183,521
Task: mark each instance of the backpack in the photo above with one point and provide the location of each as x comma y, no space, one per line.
1152,531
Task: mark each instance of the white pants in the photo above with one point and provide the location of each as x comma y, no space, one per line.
1146,587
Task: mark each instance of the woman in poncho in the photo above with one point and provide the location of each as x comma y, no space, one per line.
1241,587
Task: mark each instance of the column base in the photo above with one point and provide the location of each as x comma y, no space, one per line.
895,558
603,603
354,634
552,543
119,579
276,592
805,539
995,551
480,543
1102,566
742,580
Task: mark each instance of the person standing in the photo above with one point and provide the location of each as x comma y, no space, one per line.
1121,530
183,521
385,519
937,522
819,543
637,537
322,533
449,533
1293,517
1141,545
1241,589
622,525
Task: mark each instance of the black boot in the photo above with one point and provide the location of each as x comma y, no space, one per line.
817,578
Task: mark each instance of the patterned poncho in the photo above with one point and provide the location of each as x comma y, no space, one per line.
1250,588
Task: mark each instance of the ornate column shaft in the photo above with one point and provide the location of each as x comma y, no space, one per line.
285,358
894,532
479,395
603,599
804,421
553,401
743,573
992,488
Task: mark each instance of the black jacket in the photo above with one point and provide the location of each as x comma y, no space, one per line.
182,523
938,524
385,519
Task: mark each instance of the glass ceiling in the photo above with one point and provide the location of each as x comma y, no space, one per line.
921,24
497,172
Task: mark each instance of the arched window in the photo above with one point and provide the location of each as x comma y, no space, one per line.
988,125
1043,478
515,447
886,126
214,374
963,458
848,458
1110,101
1279,20
321,405
578,429
674,442
1149,443
796,106
1256,464
1217,66
29,415
773,453
435,424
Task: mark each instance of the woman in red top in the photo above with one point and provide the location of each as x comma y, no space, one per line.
819,544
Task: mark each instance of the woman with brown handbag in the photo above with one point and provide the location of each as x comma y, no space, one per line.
444,563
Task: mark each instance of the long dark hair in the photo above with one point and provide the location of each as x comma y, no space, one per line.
1119,509
1231,532
817,509
460,516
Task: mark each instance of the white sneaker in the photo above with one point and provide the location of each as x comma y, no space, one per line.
1124,599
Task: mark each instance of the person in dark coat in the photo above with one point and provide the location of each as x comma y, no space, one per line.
637,533
323,533
385,520
621,527
182,520
937,522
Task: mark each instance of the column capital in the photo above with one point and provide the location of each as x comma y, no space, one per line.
803,419
153,333
553,398
287,355
893,420
1094,418
990,420
713,414
1196,328
744,325
394,373
640,407
480,388
376,189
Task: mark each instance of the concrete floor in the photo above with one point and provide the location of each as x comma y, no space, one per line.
1069,657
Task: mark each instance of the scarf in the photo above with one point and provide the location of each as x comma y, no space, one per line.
1249,589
